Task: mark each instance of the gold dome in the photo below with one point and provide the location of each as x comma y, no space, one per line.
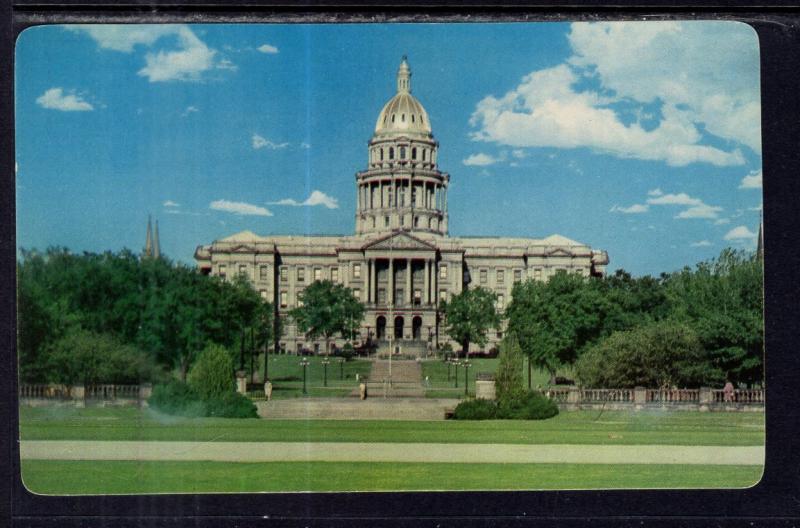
403,114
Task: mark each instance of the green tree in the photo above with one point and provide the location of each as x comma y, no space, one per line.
658,354
212,374
328,309
509,382
469,315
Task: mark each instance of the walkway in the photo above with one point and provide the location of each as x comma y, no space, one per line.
405,376
375,407
390,452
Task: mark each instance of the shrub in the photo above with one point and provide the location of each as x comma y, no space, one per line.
509,381
526,406
177,398
212,374
479,409
231,405
347,352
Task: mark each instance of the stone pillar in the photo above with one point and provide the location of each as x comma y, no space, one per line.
241,382
390,293
426,292
706,398
639,397
145,390
369,281
485,389
435,271
408,282
78,394
574,396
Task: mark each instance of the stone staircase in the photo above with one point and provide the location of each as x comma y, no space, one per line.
405,380
403,347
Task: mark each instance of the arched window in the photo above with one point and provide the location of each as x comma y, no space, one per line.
403,118
392,118
381,154
402,153
385,118
391,153
416,221
412,118
421,120
423,154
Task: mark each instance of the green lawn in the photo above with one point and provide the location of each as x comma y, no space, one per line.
441,376
580,427
114,477
287,376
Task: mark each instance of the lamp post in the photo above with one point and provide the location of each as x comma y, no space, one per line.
456,363
325,363
467,365
304,364
449,364
341,368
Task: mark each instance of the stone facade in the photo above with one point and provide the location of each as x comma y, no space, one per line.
401,262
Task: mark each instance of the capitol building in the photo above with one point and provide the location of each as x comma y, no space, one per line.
401,262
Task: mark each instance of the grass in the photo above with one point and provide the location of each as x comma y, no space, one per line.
115,477
287,376
441,376
579,427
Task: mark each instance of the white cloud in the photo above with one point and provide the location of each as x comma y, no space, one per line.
702,243
240,208
480,160
633,209
56,99
260,142
696,207
700,211
267,48
189,110
547,109
655,192
752,180
170,203
674,199
315,198
188,62
740,233
722,221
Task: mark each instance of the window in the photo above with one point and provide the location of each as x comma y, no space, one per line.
381,296
412,118
284,274
317,274
402,220
416,221
413,150
335,274
357,293
423,154
537,273
501,300
242,269
392,118
283,348
373,221
501,276
301,274
386,221
484,276
443,271
222,269
443,296
499,335
403,118
417,296
263,294
381,154
356,271
300,302
263,273
398,296
403,152
284,299
391,153
517,275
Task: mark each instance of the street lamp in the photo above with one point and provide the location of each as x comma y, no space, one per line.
449,364
304,364
467,365
456,363
341,368
325,363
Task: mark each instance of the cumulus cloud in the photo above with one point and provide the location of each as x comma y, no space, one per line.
655,192
752,180
56,99
633,209
703,76
170,203
480,160
702,243
260,142
315,198
188,61
267,48
740,233
696,208
722,221
240,208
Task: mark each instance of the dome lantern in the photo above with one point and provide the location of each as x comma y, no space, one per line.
404,77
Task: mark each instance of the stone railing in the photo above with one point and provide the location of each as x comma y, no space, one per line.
79,395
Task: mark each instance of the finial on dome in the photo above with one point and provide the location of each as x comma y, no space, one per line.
404,76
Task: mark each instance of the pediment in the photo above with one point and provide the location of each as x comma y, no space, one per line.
399,241
243,248
559,252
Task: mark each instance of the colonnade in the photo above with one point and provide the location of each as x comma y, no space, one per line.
429,289
401,193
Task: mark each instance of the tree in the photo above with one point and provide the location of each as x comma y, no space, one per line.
327,309
469,315
509,383
659,354
212,374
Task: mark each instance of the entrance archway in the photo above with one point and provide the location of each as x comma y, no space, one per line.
380,327
416,328
398,327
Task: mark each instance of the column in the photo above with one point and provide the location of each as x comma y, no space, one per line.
390,293
380,187
369,280
426,295
408,282
435,283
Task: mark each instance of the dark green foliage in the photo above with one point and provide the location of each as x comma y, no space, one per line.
169,311
212,374
478,409
328,309
231,405
660,354
347,351
508,382
526,406
180,399
469,315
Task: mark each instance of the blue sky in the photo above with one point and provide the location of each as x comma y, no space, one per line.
639,138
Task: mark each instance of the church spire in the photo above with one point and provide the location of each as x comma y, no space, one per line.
404,77
148,244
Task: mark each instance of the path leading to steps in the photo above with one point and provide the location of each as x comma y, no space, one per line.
398,378
390,452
